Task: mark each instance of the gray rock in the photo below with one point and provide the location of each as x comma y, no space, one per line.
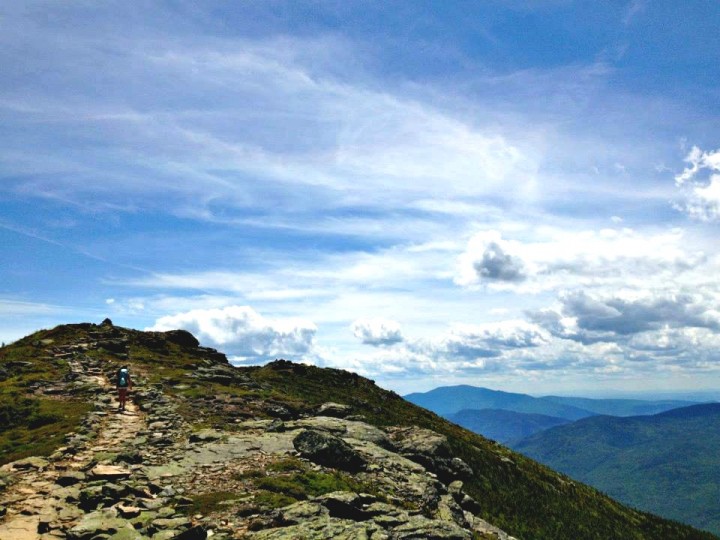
422,528
171,523
30,463
69,478
98,523
328,450
301,512
206,435
337,410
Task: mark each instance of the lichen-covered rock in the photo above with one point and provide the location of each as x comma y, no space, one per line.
328,450
337,410
101,522
431,450
422,528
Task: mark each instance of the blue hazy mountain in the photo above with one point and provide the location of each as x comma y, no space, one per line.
452,399
447,400
504,426
668,463
621,407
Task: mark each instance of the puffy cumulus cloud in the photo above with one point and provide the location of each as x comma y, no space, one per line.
489,258
702,193
560,259
377,332
241,331
592,318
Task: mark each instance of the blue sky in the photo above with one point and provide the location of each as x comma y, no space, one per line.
521,195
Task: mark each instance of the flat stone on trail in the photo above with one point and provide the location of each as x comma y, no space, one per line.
21,528
30,463
109,472
101,522
128,511
69,478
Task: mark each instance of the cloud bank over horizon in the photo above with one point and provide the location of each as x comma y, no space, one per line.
419,203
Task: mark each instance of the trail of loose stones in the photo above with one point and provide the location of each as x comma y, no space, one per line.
37,505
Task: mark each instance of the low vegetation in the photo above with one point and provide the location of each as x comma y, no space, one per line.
29,425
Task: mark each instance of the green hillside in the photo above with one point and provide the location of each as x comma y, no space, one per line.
668,464
504,426
524,498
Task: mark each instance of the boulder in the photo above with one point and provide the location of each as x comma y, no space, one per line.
431,450
182,338
328,450
337,410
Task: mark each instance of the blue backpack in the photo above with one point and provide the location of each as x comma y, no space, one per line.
123,378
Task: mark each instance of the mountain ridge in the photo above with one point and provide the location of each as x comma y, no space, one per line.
446,400
450,399
502,425
284,450
665,463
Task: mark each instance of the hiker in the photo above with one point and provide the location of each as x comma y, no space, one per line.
124,383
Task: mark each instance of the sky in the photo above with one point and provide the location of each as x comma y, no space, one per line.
523,195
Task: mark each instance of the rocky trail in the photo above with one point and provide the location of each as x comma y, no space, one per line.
99,467
146,473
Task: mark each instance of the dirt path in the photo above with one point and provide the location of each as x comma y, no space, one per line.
37,504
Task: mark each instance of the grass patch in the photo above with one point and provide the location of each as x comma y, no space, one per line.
207,503
272,500
53,419
303,484
287,465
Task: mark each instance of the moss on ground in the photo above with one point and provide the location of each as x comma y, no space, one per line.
45,430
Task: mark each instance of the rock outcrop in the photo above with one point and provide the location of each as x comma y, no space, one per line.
266,469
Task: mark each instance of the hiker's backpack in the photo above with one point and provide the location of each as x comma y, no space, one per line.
123,378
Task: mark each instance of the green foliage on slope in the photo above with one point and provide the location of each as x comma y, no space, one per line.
667,464
32,425
504,426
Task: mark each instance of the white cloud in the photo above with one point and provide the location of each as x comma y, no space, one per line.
702,195
612,317
559,259
377,332
486,340
489,258
241,331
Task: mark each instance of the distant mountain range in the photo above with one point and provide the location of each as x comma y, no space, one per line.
668,464
448,400
504,426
